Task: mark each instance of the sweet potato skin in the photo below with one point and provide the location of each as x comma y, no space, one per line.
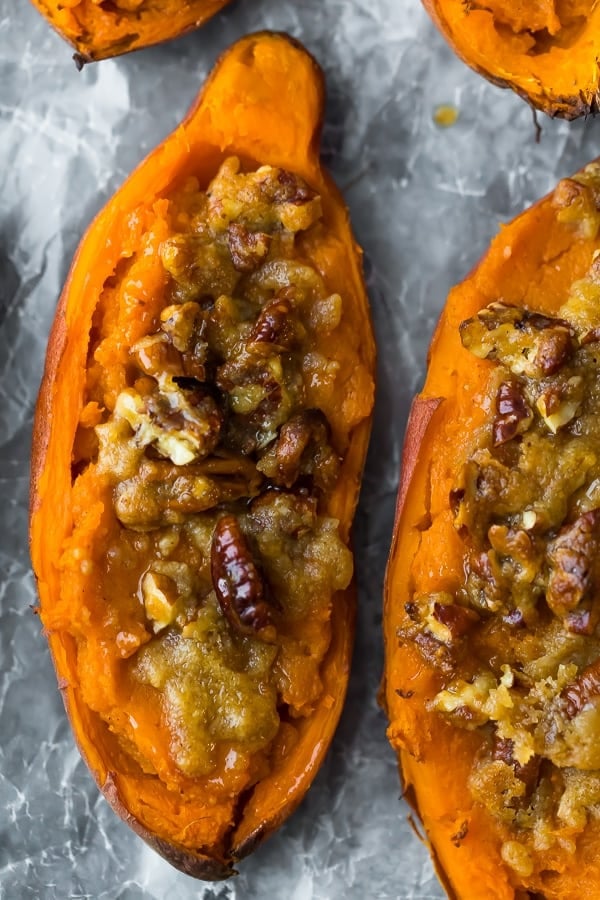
99,33
261,131
434,758
569,101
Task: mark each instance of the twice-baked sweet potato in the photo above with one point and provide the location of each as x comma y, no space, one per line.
98,30
492,605
198,447
545,50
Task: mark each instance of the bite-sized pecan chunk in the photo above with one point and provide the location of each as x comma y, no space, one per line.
184,324
554,348
578,204
457,619
248,248
513,413
237,581
572,555
156,356
275,325
520,558
502,750
437,626
262,390
559,403
181,419
436,654
179,348
583,621
302,448
583,690
290,188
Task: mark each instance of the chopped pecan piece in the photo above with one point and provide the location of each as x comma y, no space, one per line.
237,581
591,337
290,188
184,324
435,653
182,419
178,349
302,448
159,593
156,356
520,558
582,621
578,205
583,690
554,348
571,556
437,625
263,390
559,403
514,414
274,325
457,619
248,248
503,750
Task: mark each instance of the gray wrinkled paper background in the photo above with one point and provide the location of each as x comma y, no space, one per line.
425,202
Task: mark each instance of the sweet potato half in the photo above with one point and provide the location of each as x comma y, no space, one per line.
99,30
545,51
260,112
492,597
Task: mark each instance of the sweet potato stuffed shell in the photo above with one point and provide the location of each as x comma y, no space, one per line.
100,30
492,608
199,440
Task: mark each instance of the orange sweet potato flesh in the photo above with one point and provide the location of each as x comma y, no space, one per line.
545,50
263,103
533,262
98,30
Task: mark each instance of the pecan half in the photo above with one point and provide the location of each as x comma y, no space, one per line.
236,579
583,690
571,556
513,413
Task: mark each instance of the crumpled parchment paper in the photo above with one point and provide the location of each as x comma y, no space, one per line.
425,202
